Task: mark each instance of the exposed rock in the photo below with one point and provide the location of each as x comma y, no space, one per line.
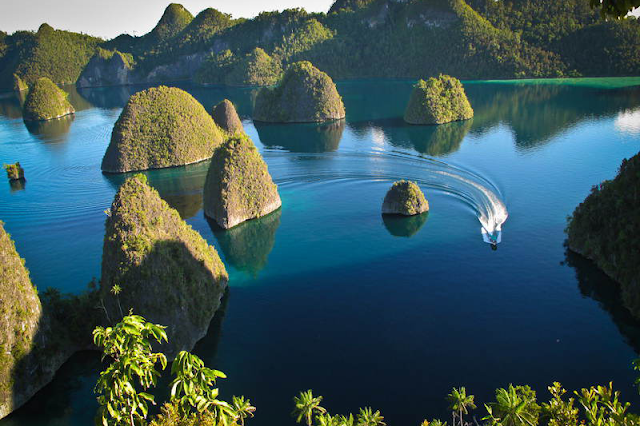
160,127
18,84
224,114
238,185
46,101
156,265
437,101
605,229
405,198
14,171
305,94
107,68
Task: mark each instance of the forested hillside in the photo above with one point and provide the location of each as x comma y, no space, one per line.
356,39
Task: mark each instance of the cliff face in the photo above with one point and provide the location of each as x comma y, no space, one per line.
30,351
437,101
605,229
46,101
305,94
156,265
405,198
238,185
107,68
160,127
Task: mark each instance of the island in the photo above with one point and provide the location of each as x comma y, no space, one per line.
225,116
405,198
605,228
14,171
305,94
46,101
107,68
238,186
161,127
157,265
438,101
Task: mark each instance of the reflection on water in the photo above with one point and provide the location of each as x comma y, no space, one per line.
537,113
246,247
595,284
181,187
437,140
628,122
107,97
404,226
51,131
18,185
302,137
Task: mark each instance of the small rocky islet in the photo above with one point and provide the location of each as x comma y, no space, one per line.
405,198
46,101
437,101
161,127
225,115
304,95
15,172
238,186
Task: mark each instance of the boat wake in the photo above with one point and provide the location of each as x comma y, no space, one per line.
473,189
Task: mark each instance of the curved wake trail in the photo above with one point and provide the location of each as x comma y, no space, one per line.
472,189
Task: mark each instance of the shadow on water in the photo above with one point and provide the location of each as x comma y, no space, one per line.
51,131
302,137
180,187
435,141
596,285
404,226
246,247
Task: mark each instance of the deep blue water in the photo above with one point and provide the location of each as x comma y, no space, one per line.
325,293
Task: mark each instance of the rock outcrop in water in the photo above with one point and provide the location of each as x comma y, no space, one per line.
19,325
305,94
437,101
46,101
605,229
238,185
156,265
160,127
224,114
405,198
18,84
14,171
107,68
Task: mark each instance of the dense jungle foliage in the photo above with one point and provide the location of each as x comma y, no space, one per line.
357,39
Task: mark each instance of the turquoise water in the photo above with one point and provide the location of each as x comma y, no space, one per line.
329,295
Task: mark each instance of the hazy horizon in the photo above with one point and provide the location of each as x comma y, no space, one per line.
107,20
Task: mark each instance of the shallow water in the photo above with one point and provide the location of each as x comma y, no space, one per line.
329,295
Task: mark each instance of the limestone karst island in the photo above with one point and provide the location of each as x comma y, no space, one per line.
327,213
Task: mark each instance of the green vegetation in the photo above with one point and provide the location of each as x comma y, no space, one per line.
174,19
46,101
123,384
405,198
107,68
14,171
256,68
305,94
160,127
238,185
157,265
225,116
438,101
55,54
18,84
614,9
20,312
605,229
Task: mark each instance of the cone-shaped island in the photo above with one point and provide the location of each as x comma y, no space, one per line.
305,94
161,127
405,198
437,101
46,101
225,115
238,185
